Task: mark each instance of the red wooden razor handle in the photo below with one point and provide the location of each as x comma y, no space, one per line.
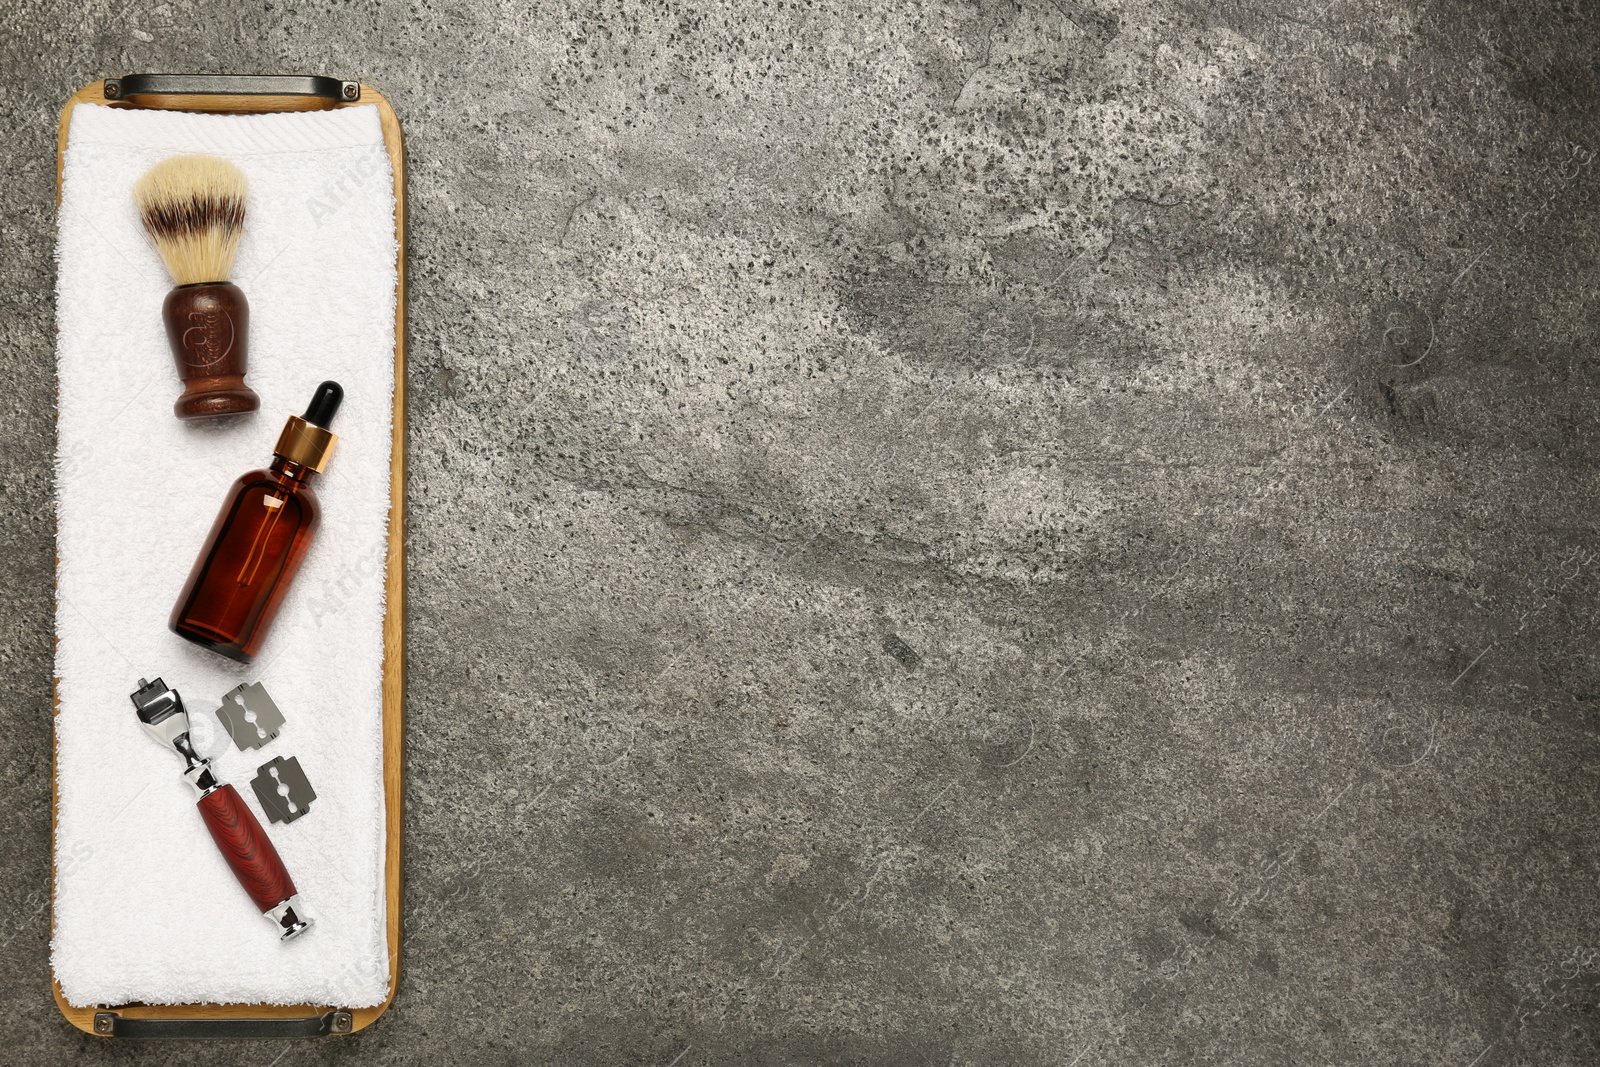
246,847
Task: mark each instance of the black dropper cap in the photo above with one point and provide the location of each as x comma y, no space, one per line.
324,404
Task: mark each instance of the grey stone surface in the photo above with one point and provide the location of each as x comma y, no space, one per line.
920,549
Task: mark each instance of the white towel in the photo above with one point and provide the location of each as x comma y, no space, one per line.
146,909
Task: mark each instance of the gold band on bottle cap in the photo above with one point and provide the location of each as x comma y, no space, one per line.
305,443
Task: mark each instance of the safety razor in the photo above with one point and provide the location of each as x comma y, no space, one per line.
244,844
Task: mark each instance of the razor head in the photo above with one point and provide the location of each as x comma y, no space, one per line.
154,701
161,711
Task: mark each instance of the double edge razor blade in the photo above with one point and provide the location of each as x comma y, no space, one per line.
283,789
250,716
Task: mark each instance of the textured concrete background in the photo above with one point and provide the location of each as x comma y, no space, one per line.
922,550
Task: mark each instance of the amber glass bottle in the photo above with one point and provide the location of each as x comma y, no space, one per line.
260,536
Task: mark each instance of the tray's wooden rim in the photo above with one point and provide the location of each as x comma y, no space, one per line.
394,613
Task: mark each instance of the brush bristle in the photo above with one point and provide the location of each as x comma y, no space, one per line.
193,209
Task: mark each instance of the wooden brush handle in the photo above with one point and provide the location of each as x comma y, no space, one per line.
208,326
246,847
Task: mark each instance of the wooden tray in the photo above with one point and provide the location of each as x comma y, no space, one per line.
254,95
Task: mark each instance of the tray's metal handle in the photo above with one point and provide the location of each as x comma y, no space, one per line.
134,85
111,1024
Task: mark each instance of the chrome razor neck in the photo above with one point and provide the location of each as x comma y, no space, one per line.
164,718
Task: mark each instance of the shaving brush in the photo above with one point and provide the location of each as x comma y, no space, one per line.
193,209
